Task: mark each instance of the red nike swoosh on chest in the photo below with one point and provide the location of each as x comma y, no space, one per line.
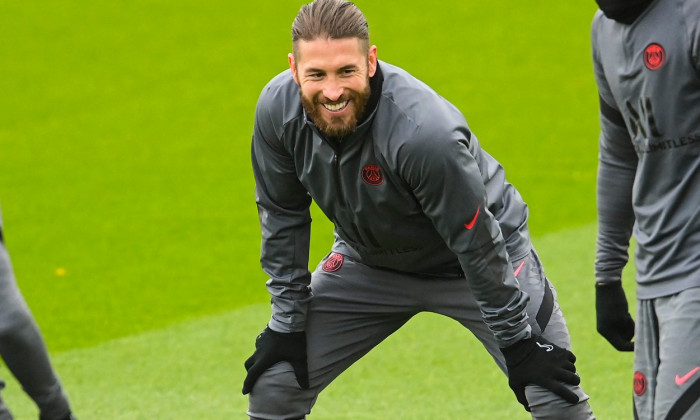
680,380
470,225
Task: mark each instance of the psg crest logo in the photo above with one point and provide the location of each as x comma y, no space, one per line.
333,263
372,175
654,56
640,383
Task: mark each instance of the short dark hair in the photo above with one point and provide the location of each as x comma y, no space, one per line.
334,19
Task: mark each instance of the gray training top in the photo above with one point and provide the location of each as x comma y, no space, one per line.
649,170
409,190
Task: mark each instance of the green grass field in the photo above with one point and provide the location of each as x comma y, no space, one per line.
127,196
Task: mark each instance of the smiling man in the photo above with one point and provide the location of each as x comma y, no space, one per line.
333,79
424,221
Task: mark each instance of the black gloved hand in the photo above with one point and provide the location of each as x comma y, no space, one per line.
536,361
613,320
272,347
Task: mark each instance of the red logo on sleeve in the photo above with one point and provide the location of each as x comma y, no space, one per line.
372,175
470,225
654,56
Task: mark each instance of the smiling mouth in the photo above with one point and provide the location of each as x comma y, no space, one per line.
336,107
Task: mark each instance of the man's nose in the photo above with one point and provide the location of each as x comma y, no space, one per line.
332,90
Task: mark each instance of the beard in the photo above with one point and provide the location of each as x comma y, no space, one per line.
337,126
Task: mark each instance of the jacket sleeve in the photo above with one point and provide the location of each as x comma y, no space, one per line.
285,222
617,165
691,11
446,181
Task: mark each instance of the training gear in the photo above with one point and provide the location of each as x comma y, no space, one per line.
648,172
666,372
399,190
649,169
272,347
613,319
343,326
412,196
536,361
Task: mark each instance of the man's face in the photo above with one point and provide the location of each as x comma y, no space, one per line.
333,77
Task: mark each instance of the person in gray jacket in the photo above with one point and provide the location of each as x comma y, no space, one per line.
424,221
23,350
646,57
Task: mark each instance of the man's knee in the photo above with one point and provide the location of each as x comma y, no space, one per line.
545,405
15,323
277,396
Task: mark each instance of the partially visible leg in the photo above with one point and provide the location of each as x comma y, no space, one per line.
352,310
543,403
646,360
678,379
5,413
23,350
546,318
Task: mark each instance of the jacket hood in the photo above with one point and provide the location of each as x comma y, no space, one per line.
623,11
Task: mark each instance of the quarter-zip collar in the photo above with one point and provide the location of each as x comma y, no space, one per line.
623,11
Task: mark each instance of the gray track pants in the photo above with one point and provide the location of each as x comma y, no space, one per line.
354,307
23,351
667,357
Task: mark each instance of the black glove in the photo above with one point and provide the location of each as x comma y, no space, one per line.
613,319
536,361
272,347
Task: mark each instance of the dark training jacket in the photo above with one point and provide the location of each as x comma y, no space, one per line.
648,76
409,190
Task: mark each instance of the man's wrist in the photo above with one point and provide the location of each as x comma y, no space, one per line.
608,283
517,351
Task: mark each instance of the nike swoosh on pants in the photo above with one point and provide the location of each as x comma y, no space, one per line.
680,380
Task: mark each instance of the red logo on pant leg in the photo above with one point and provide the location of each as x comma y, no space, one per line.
654,56
333,263
640,384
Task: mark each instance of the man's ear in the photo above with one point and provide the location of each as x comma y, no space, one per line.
293,66
372,60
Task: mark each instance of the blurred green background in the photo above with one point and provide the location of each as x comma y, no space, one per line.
127,195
